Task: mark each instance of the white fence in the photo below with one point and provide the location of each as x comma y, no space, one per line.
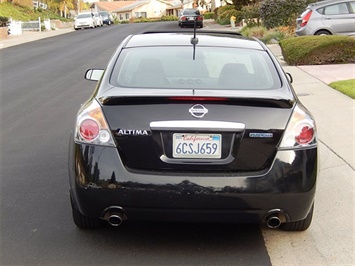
38,4
32,25
17,27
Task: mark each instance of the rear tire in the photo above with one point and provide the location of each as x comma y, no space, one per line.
83,221
301,225
323,32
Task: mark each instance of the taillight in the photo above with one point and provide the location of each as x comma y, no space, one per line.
300,131
306,18
306,134
91,126
89,129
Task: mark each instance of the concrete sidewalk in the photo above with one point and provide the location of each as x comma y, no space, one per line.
30,36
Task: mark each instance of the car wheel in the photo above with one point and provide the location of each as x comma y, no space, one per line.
83,221
201,26
323,32
301,225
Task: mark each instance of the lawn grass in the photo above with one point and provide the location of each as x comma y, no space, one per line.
22,13
345,86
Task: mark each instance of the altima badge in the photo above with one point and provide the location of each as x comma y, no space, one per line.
198,111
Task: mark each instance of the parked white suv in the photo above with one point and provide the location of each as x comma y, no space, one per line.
328,17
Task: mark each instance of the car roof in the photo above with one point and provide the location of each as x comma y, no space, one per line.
326,2
205,38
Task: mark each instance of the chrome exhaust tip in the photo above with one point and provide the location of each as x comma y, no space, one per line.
273,222
275,218
115,219
114,215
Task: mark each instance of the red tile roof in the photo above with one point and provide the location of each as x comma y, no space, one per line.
111,6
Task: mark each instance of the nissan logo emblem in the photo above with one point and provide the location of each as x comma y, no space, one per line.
198,111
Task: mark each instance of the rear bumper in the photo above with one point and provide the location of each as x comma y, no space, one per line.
99,180
191,23
303,31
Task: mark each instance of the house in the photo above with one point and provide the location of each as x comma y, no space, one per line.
125,10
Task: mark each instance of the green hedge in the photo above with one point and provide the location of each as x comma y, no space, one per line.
208,15
317,50
3,21
275,13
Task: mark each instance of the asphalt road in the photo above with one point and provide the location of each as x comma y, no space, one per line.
42,87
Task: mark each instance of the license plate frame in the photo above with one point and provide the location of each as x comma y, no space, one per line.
197,146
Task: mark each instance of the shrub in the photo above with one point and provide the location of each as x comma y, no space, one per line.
3,21
223,9
224,14
263,34
251,14
276,13
317,50
208,15
257,32
163,18
169,18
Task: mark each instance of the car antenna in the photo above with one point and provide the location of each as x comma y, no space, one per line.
194,40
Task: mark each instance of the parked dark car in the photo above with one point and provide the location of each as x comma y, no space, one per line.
188,17
327,18
205,129
107,18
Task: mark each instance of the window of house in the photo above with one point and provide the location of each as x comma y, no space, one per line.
140,14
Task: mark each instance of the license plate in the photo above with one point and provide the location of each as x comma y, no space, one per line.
202,146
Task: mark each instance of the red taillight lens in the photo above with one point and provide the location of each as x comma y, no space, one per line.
89,129
91,126
306,18
306,135
300,131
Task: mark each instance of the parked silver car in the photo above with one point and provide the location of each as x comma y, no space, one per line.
98,19
327,17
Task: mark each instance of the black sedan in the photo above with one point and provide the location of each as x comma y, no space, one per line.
190,17
203,128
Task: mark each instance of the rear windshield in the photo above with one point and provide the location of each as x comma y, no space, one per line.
191,12
88,15
213,68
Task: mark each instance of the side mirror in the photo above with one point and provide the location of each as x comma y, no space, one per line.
94,74
289,77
